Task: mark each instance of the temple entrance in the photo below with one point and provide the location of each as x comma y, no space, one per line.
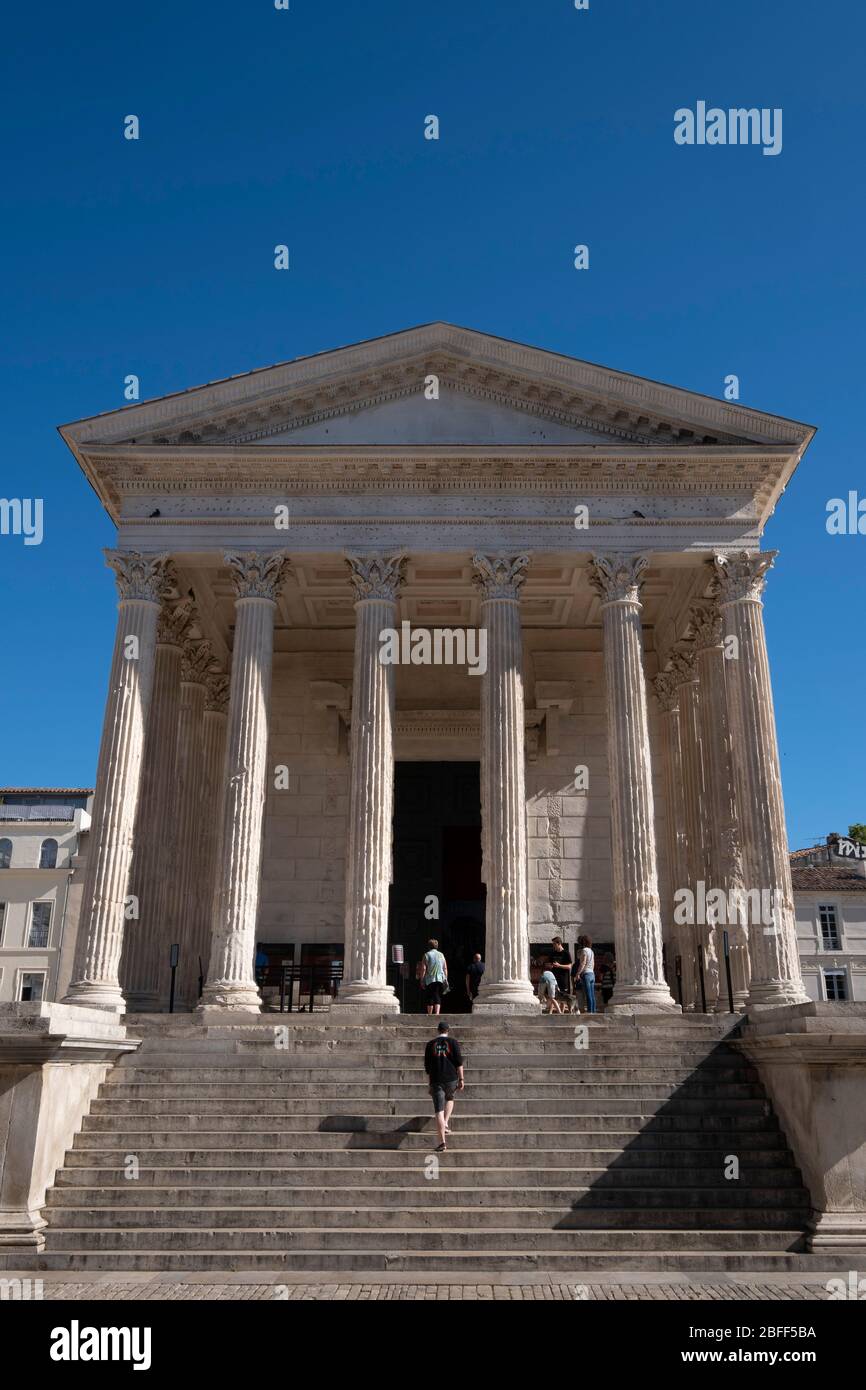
437,889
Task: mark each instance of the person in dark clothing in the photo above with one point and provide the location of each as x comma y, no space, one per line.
443,1063
474,975
559,961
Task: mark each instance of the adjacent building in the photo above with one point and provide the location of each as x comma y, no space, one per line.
42,835
830,902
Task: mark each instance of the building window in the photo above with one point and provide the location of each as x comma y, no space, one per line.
31,986
48,855
829,929
40,925
5,854
836,985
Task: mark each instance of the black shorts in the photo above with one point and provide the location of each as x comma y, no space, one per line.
441,1091
434,993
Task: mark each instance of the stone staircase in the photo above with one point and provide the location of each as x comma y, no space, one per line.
318,1155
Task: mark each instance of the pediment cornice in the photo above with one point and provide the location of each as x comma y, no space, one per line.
613,404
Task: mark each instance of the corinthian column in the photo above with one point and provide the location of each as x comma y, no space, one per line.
376,580
775,961
231,983
667,694
153,837
506,987
640,982
141,583
196,662
684,661
210,822
724,864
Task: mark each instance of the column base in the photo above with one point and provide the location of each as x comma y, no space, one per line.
507,997
838,1230
235,995
22,1229
775,994
95,994
629,1000
362,998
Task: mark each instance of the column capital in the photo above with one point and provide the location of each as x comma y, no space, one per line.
500,575
217,685
376,576
706,620
174,622
197,660
144,577
684,658
667,691
256,574
743,575
617,578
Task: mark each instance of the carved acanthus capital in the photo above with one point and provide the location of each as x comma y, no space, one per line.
147,577
743,576
499,576
667,691
376,576
706,620
197,660
617,578
258,575
217,685
174,622
684,657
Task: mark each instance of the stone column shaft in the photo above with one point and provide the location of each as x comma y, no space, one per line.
775,961
153,842
667,693
141,582
640,982
376,580
506,987
694,803
212,808
231,980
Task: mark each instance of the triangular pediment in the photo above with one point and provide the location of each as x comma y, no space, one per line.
490,392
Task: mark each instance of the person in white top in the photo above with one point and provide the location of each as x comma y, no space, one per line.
584,970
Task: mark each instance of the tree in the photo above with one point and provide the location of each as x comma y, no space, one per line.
858,832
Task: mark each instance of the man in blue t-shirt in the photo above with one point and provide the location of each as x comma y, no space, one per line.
443,1063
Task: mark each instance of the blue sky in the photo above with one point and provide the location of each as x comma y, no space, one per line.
305,127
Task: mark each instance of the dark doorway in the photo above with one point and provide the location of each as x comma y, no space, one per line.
437,855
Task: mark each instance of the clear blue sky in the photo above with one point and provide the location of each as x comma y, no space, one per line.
260,126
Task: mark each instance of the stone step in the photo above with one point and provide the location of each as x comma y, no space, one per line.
565,1044
658,1109
628,1148
773,1186
419,1222
464,1266
561,1204
552,1072
459,1240
358,1090
570,1129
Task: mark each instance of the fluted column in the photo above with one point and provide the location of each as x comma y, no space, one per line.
141,583
140,969
231,983
184,872
640,983
211,808
724,862
684,659
667,694
775,962
376,580
506,987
